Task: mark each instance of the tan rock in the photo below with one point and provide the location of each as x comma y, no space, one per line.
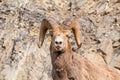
107,49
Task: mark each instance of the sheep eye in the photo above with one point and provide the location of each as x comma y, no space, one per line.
51,35
68,36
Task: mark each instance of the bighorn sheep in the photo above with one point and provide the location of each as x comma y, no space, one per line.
66,64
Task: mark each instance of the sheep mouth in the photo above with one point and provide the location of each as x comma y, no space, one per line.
58,48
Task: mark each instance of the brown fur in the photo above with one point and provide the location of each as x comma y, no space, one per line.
67,65
72,66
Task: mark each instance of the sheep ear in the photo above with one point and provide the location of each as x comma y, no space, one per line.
48,23
74,25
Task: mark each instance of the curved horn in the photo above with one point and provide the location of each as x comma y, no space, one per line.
46,24
74,25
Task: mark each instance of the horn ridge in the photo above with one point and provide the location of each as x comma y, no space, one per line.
47,23
74,25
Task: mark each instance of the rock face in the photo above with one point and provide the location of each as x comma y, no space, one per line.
21,59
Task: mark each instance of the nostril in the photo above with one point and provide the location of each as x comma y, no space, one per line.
56,42
60,42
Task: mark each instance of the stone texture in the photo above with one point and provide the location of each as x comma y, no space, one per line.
21,59
107,49
115,61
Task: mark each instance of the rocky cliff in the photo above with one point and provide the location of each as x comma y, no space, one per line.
21,59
